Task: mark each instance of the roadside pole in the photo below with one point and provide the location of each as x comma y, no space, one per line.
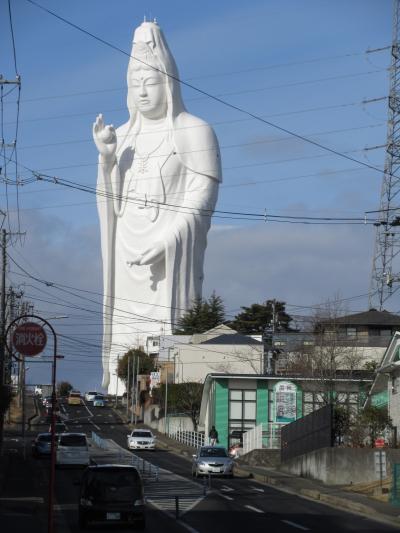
133,389
137,387
127,387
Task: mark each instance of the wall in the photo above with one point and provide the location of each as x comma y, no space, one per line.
193,361
339,466
222,410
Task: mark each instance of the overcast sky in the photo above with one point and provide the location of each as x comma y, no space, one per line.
302,65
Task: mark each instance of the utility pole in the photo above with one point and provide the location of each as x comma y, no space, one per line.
386,264
137,387
268,340
127,387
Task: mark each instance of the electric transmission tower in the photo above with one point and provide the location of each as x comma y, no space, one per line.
386,264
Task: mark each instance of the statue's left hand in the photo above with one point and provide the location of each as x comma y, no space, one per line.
153,254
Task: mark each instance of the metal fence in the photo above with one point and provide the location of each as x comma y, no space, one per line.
263,436
307,434
190,438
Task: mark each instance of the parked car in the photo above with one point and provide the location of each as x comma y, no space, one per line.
213,460
59,427
72,449
112,494
89,396
141,439
99,401
41,445
74,398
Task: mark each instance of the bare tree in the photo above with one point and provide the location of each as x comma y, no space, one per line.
329,352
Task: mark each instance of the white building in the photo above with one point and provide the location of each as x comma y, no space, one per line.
220,349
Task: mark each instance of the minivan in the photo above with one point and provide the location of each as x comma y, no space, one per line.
72,449
112,494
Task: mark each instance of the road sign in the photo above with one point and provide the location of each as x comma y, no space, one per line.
379,442
29,339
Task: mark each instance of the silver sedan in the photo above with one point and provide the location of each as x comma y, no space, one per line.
212,460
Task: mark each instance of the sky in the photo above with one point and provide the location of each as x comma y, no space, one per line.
314,68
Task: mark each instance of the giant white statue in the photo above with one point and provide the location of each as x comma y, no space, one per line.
158,178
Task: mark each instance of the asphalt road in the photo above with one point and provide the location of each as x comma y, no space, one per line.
230,505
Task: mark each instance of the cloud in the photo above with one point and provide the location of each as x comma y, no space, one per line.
302,265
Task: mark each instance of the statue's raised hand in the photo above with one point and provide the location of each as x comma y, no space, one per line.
105,139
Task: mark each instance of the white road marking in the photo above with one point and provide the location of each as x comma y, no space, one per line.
256,510
293,524
226,488
26,499
258,489
88,410
65,507
226,497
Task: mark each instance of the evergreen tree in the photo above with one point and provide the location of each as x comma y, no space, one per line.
255,319
64,388
202,316
146,364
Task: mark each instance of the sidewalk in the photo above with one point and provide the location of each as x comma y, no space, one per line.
334,496
23,484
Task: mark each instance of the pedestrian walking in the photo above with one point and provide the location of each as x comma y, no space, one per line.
213,435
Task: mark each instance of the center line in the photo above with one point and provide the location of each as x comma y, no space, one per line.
226,497
254,509
295,525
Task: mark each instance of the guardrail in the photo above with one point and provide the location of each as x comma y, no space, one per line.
189,438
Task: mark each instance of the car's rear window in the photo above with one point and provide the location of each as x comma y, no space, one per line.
44,438
73,440
74,395
99,398
113,485
213,452
142,434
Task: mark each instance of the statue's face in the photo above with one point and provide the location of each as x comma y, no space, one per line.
149,92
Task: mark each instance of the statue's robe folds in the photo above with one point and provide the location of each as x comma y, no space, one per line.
174,206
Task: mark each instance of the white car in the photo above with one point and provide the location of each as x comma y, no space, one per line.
141,439
72,449
89,396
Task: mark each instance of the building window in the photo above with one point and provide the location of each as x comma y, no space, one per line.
351,332
242,413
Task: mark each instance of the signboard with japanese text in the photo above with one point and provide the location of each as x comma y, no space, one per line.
154,380
29,339
285,402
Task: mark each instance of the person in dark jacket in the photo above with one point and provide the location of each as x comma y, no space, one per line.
213,436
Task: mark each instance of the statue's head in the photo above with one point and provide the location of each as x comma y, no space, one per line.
152,63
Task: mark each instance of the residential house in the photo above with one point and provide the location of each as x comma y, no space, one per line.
220,349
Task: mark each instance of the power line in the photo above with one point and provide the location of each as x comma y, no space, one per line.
208,94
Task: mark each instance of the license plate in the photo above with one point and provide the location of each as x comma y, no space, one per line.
216,470
113,516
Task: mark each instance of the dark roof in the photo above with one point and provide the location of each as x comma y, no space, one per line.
232,338
368,318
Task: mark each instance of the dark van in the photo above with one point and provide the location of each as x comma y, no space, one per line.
112,494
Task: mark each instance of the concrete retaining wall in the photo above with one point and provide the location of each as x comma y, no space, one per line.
267,458
340,466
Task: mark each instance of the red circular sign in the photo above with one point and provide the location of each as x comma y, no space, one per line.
29,339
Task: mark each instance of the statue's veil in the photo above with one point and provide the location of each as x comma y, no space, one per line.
151,50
